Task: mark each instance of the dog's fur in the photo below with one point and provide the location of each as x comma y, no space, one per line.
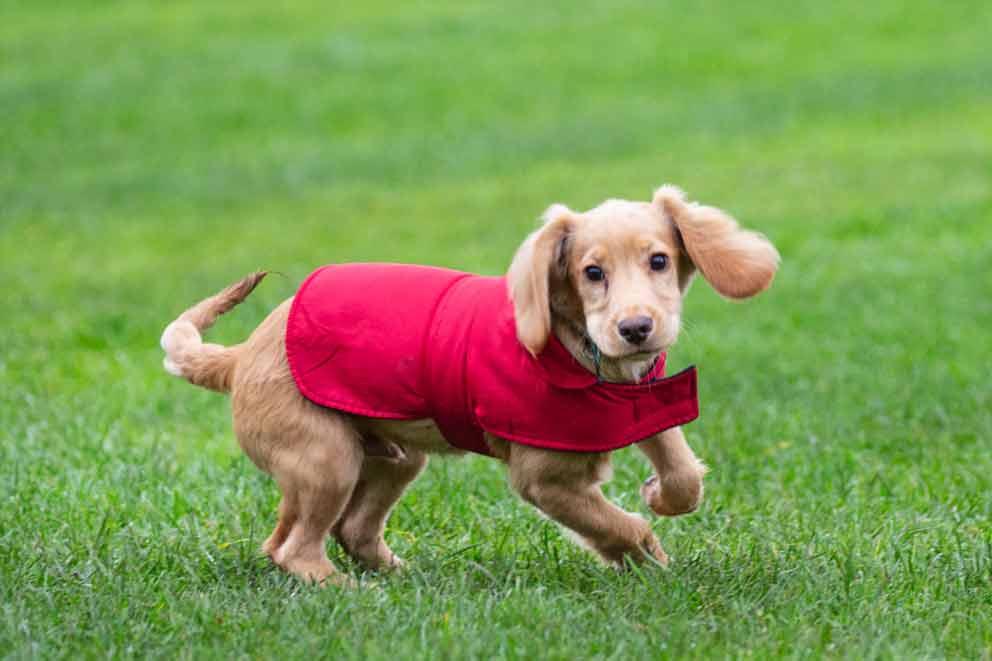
342,474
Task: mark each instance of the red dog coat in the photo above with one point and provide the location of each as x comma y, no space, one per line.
411,342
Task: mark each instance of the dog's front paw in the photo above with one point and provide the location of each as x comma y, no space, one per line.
676,497
652,549
394,564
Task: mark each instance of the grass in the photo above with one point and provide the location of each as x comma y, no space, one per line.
151,153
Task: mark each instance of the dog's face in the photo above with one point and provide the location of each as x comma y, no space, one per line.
617,273
621,262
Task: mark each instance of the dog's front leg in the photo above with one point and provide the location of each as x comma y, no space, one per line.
565,486
677,485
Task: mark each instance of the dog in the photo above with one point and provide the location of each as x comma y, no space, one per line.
343,391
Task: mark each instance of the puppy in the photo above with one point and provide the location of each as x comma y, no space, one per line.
345,389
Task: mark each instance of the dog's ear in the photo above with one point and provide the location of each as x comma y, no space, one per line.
529,276
736,262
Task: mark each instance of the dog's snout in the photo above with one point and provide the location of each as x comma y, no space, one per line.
636,329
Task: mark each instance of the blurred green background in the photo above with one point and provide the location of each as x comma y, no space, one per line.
150,153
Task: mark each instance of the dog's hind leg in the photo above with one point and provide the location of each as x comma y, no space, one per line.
289,512
381,484
314,454
317,478
315,457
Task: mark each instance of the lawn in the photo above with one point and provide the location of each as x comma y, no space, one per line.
150,153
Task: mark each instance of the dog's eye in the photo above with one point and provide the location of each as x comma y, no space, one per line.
595,273
659,262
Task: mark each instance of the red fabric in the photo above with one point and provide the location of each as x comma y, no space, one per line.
409,342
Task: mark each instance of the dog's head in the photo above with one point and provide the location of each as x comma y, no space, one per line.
616,274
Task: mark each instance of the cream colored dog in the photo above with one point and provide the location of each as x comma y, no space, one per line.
614,276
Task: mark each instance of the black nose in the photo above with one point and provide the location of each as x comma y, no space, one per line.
636,329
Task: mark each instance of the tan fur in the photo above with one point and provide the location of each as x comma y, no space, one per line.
341,474
736,262
530,273
186,355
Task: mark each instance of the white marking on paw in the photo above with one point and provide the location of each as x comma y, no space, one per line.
172,368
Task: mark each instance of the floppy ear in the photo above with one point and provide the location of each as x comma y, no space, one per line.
529,277
737,263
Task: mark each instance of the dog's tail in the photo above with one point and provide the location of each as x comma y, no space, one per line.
207,365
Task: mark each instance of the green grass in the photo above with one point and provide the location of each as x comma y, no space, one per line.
150,153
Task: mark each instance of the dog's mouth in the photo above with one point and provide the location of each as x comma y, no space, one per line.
630,353
644,351
638,355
